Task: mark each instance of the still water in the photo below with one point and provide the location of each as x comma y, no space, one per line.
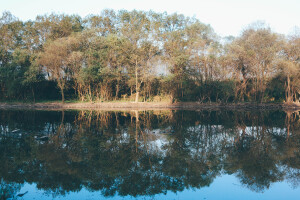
149,155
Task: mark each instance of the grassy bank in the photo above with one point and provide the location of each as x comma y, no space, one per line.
147,105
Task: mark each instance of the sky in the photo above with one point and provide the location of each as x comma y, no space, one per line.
227,17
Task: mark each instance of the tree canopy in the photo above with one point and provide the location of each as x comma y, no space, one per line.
144,56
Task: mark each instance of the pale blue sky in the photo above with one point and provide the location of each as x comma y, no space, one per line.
227,17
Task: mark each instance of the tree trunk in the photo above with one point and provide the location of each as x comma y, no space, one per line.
117,89
288,99
90,93
32,90
136,85
62,96
137,97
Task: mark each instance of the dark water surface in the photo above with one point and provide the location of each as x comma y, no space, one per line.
149,155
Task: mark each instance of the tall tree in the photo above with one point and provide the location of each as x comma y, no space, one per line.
254,55
289,66
58,58
136,27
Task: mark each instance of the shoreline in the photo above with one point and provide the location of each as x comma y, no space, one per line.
151,106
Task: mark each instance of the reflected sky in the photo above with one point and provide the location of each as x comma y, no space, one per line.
225,187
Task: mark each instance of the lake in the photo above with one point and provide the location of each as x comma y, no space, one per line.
159,154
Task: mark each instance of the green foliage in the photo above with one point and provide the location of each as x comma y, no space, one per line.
275,90
217,91
119,54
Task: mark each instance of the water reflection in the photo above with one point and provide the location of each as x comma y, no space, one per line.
143,153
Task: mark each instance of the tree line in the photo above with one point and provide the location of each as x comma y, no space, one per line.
144,56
